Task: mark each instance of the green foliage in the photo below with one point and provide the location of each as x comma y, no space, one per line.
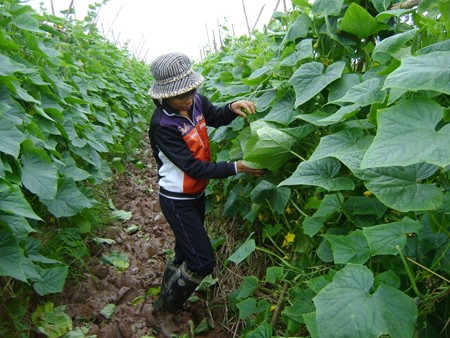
352,123
72,105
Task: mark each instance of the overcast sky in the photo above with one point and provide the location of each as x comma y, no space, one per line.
154,27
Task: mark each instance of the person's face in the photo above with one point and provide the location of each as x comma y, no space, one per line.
182,102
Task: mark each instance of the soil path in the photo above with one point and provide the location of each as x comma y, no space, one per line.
134,191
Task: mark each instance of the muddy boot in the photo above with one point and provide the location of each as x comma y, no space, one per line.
168,272
165,323
180,286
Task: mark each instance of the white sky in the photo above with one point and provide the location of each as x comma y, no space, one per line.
154,27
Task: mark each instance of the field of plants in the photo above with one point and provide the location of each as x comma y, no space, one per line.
352,220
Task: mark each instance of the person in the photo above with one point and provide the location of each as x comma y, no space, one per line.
180,145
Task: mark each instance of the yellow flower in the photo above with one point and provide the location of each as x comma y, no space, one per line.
288,210
367,193
273,308
289,238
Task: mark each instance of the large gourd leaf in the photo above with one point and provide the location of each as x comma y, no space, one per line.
346,308
39,174
384,239
11,257
11,138
68,201
364,93
392,45
53,280
320,173
268,146
407,135
359,22
348,141
309,79
327,7
398,187
13,202
424,72
277,197
351,248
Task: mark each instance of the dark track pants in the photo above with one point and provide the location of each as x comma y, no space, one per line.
192,244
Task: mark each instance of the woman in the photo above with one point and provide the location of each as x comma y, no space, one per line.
180,145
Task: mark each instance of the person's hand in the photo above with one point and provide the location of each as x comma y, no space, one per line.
242,168
243,107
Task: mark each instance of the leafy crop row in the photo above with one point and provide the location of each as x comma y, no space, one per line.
69,101
353,110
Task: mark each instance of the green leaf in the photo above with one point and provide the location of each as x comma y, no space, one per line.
364,93
26,22
118,260
268,146
249,307
424,72
381,5
392,45
11,257
11,138
277,197
69,200
274,273
243,252
398,187
264,330
18,225
309,79
351,248
346,308
327,7
13,202
9,66
407,135
108,311
298,29
359,22
320,173
328,206
248,286
39,174
384,239
51,321
320,118
53,280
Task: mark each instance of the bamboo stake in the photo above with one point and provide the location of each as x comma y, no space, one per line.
120,9
52,6
246,19
259,15
405,5
207,34
220,35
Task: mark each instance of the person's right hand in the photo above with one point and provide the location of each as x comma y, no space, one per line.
242,168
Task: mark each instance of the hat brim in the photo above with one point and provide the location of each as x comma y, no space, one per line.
181,86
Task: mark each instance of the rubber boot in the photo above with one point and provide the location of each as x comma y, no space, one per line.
179,287
168,272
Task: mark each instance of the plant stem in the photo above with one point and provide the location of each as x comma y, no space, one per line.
280,301
410,274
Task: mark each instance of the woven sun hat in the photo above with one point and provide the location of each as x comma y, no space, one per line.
173,76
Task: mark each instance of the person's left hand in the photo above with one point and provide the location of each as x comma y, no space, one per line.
243,107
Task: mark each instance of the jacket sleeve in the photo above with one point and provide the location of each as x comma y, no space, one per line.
168,141
217,116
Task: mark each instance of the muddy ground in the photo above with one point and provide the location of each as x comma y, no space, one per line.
130,290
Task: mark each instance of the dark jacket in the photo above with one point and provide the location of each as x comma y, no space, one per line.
181,147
